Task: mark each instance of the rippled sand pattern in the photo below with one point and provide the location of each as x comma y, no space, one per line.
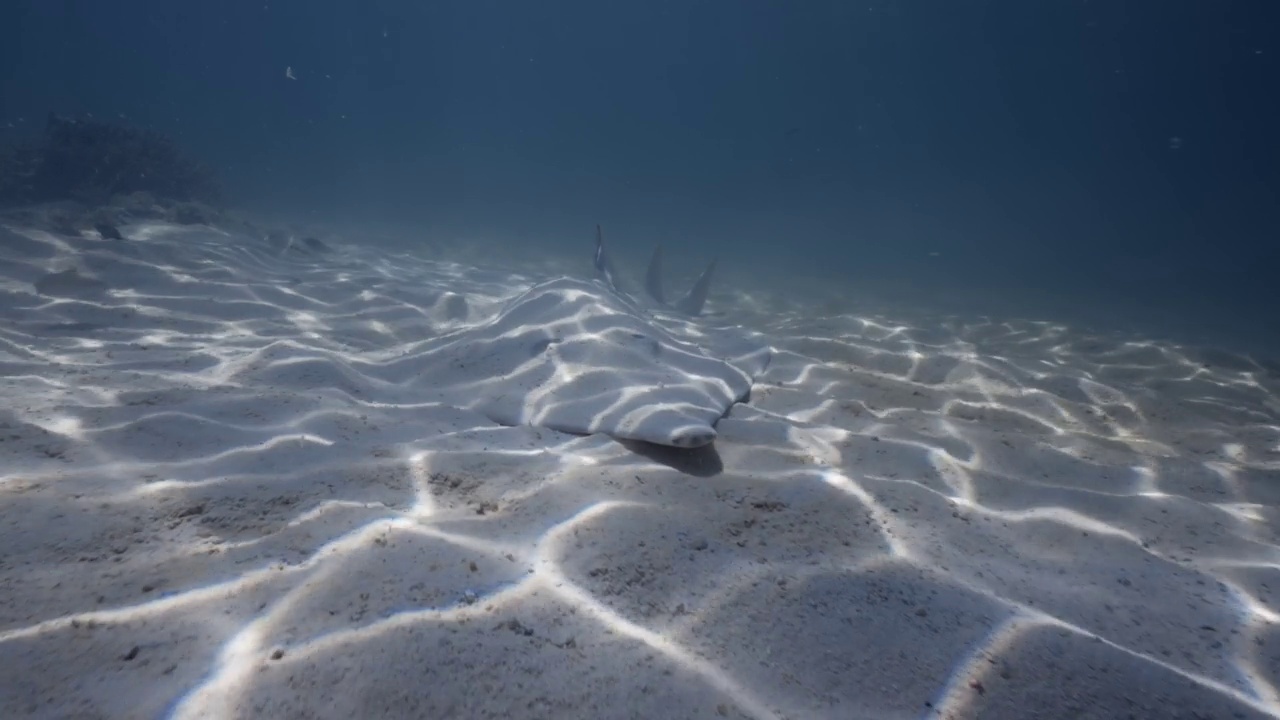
223,497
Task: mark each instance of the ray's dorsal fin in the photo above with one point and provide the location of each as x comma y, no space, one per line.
603,266
692,303
653,277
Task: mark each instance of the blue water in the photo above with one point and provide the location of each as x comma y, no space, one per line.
1098,163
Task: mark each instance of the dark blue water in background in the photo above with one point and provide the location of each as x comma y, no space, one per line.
1084,161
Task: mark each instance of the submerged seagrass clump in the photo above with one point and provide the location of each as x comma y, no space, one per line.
91,161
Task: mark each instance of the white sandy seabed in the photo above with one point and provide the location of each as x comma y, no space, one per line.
247,479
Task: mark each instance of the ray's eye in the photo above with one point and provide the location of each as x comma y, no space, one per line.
541,346
649,344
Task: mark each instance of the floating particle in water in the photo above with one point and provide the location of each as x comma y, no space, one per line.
1175,143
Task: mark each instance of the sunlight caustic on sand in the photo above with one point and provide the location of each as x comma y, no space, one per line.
251,478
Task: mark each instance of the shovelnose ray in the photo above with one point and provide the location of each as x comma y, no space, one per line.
691,304
577,356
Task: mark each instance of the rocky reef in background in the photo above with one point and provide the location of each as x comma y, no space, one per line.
83,172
